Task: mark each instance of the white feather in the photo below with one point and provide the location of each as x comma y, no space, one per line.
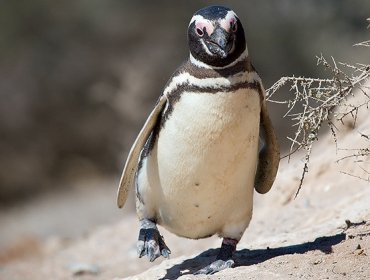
197,18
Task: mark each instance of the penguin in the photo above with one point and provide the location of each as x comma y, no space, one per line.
207,144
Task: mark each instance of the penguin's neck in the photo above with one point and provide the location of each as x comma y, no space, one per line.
201,64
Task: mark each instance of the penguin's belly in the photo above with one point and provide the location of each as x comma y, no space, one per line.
204,163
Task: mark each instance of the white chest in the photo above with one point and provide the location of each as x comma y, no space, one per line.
210,130
205,161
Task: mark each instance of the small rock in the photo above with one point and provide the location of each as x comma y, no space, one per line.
350,236
348,223
84,268
360,252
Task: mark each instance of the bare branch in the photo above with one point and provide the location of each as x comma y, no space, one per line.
314,101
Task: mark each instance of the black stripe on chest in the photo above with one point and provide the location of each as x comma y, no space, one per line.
175,95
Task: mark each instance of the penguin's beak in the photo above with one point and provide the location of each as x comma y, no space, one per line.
220,42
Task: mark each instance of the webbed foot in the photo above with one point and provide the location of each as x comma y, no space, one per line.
224,258
151,242
216,266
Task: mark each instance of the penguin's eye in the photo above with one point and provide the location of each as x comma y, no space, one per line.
233,26
199,31
203,27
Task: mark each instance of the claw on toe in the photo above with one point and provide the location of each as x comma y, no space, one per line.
216,266
151,244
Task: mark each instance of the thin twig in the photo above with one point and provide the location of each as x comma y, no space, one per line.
314,101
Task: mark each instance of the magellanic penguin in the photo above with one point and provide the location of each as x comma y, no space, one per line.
198,158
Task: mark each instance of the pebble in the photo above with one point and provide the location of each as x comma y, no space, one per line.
84,268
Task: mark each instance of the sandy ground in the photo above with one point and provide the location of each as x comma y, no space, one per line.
322,234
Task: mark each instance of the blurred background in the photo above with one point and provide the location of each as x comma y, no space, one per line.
78,79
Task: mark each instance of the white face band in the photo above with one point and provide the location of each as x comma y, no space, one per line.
201,23
229,19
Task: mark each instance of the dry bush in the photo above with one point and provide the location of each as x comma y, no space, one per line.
316,101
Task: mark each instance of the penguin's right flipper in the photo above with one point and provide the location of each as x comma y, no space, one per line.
128,174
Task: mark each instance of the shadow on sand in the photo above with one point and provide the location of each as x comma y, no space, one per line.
247,257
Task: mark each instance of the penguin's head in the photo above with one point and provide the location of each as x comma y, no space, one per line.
216,36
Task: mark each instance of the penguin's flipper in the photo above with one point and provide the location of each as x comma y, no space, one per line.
269,156
128,174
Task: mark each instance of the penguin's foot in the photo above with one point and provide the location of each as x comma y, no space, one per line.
216,266
151,242
224,258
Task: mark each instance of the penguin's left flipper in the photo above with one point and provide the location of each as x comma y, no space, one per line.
269,155
128,174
